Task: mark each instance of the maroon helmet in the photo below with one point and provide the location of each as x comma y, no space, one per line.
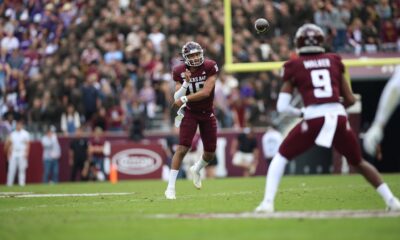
192,53
309,39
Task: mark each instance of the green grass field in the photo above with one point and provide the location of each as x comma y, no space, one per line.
132,216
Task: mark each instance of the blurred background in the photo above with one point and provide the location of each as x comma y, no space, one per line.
106,64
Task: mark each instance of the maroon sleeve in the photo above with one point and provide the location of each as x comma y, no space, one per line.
212,68
176,75
287,71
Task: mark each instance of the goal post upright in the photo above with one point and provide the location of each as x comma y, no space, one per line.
228,32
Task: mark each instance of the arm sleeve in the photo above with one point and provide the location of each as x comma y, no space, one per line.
181,91
176,76
283,105
286,72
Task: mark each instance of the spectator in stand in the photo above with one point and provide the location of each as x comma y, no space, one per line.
100,120
371,37
115,117
323,17
5,72
389,36
90,96
11,114
91,54
340,18
383,9
9,42
16,60
35,116
131,61
70,120
355,37
113,54
157,38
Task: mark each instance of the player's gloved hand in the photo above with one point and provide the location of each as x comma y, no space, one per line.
372,138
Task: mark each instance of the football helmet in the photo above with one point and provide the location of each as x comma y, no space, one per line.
309,39
192,53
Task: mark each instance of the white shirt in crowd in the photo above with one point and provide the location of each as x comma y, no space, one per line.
9,43
19,143
51,147
271,140
157,39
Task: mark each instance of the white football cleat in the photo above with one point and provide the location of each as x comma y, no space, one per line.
170,194
393,205
196,177
265,207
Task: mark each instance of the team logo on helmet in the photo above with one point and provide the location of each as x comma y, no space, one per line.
193,55
309,39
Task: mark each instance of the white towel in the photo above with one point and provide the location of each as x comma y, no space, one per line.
327,132
180,114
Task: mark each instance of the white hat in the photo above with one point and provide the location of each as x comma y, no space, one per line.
37,18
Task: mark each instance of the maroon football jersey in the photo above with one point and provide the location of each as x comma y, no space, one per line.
317,77
197,81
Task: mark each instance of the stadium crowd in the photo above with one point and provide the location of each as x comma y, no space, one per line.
107,63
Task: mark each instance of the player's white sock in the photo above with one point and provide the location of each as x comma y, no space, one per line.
385,192
199,165
173,174
274,175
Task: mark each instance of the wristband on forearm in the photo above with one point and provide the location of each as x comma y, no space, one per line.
184,99
185,84
182,91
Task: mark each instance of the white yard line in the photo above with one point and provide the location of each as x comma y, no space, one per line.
285,215
33,195
13,193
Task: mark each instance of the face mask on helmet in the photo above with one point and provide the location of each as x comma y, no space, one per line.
192,53
309,39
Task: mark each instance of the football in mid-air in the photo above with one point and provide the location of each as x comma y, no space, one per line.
261,25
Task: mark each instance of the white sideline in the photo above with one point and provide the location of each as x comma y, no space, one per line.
33,195
285,215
